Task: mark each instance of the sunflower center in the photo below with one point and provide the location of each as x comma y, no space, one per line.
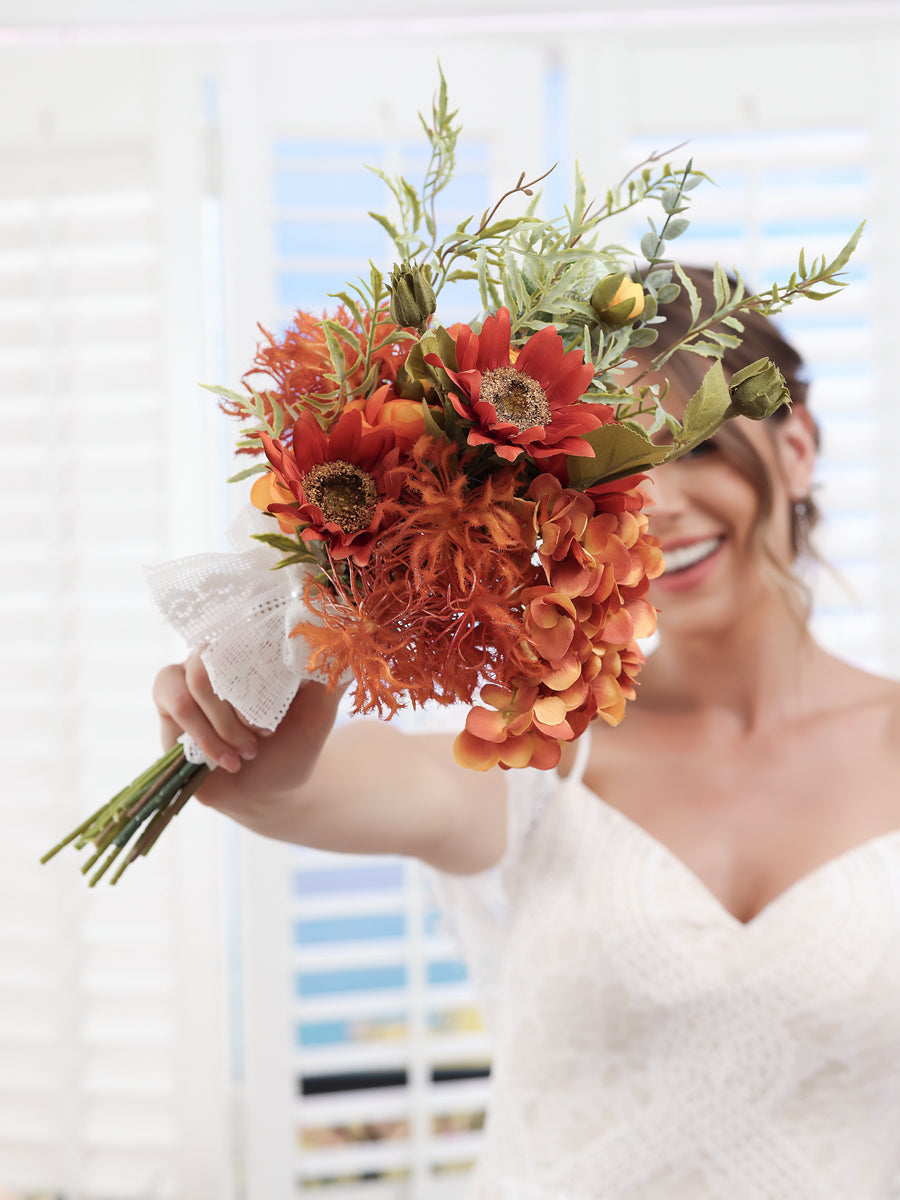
346,494
517,399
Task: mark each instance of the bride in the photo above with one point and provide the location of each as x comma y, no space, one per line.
695,986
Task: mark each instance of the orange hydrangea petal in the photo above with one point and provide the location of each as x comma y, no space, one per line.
545,754
496,697
549,710
618,628
517,751
474,754
564,675
643,614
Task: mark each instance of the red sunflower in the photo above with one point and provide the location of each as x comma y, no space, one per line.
333,485
527,403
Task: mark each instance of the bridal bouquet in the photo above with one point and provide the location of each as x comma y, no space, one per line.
456,513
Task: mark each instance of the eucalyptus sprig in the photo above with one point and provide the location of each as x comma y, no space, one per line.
711,334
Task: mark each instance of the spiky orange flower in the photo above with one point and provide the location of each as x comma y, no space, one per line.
438,608
529,406
338,487
581,622
300,367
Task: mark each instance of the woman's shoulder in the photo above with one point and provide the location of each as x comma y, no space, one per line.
848,688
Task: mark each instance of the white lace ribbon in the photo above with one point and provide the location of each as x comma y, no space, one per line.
239,612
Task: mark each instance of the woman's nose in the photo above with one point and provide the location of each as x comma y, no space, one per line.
665,494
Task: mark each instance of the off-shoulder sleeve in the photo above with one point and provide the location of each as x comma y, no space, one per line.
475,908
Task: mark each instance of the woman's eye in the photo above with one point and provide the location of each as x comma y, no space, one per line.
701,451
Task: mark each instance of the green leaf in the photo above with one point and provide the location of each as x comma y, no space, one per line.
811,295
705,349
279,541
650,245
706,410
730,341
504,226
432,428
843,256
256,469
618,451
342,332
676,227
436,341
236,397
335,350
351,304
386,225
670,198
688,285
640,338
721,288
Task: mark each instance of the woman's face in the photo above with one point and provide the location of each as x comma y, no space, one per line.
704,511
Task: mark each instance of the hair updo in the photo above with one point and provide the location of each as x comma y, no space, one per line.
761,339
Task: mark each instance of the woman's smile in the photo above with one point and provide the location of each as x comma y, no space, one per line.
689,562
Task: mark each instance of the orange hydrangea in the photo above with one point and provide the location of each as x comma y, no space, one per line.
582,623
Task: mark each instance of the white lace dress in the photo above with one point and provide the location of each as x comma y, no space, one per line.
650,1046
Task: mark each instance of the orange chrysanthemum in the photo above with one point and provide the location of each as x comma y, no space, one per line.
438,609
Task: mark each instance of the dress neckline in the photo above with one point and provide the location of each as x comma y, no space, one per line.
637,831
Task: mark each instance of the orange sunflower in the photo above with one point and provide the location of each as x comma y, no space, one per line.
336,486
527,406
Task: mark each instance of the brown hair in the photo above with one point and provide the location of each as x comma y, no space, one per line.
761,339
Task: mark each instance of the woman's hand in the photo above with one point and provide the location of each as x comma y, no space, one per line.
186,703
258,768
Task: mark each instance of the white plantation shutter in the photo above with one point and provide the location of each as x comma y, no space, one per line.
374,1045
112,1055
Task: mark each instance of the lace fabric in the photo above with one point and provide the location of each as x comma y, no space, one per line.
650,1046
239,611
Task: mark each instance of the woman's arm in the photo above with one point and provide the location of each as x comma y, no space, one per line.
366,788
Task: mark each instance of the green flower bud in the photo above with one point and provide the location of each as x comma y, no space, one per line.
412,296
758,390
617,299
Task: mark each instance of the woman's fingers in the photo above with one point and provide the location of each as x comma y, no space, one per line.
187,703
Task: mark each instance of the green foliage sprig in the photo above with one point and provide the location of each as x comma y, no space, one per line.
544,273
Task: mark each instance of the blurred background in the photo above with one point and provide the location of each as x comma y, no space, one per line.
239,1019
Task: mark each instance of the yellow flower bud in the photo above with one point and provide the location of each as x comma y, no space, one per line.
617,299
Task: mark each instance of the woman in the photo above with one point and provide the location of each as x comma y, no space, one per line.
701,943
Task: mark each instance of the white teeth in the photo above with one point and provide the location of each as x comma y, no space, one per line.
686,556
